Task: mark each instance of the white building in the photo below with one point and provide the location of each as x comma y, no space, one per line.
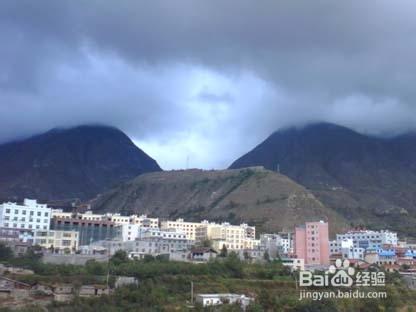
369,239
346,249
158,242
130,232
29,216
218,299
294,264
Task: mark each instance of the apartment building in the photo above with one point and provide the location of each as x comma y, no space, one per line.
233,237
30,215
57,240
158,242
91,228
116,218
369,239
277,244
312,243
144,221
189,228
345,249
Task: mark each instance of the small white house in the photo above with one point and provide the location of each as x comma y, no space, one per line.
217,299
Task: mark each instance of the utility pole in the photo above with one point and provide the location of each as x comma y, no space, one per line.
108,268
192,292
187,162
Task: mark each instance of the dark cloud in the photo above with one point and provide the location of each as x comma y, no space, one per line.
219,73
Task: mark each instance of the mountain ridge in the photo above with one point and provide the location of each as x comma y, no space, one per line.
269,200
77,162
370,180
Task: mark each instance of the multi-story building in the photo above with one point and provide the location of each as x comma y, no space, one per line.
91,228
345,249
144,221
277,244
369,239
29,216
312,243
117,218
233,237
95,227
90,216
16,235
59,213
189,228
158,242
57,240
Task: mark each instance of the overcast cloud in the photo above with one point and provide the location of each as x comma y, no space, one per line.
206,80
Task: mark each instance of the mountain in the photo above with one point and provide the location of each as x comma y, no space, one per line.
70,163
261,197
368,180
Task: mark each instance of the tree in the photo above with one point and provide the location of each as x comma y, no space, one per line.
266,256
5,252
233,265
95,268
206,243
224,251
119,257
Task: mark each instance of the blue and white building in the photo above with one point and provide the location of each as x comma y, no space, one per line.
29,216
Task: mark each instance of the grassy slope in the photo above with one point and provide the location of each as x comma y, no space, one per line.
267,199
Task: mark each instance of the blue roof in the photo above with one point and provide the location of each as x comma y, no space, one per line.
386,253
410,253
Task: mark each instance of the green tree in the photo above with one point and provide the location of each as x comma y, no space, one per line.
5,253
266,256
119,257
96,268
206,243
224,251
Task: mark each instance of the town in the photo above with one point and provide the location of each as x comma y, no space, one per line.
76,238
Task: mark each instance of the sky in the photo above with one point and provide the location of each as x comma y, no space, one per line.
196,84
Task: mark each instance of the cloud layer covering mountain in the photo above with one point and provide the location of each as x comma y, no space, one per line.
206,80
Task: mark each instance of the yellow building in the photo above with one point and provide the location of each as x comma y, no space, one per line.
233,237
189,228
58,240
59,213
145,221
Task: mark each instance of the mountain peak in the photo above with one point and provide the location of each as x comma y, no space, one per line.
77,162
367,178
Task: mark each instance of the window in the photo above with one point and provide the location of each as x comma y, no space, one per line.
7,210
16,211
31,213
46,214
39,213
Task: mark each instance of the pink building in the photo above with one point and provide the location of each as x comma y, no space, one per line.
312,243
